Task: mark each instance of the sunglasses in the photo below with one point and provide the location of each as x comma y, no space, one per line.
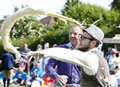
82,37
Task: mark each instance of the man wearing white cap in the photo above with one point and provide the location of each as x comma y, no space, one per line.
90,41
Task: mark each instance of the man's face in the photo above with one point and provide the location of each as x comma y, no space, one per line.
85,41
74,36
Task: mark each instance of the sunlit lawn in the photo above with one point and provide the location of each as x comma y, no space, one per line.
13,85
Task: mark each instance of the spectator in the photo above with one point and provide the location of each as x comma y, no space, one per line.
46,45
20,76
39,47
8,64
25,49
24,58
117,60
64,70
36,74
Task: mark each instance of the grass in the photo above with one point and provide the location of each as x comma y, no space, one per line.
13,85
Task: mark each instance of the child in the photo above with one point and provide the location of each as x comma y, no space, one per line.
20,76
36,74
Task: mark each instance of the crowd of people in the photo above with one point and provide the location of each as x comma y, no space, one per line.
113,60
84,46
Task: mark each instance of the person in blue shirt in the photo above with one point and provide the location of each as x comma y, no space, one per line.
8,64
36,74
37,71
20,76
25,49
62,71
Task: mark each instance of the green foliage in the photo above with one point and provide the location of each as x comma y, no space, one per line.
1,21
1,47
116,5
58,37
21,41
26,27
29,30
91,13
58,34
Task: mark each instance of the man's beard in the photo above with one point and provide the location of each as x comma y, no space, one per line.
84,49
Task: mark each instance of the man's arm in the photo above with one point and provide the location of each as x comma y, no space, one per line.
50,67
87,60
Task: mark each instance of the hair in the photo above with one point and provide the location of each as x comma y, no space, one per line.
117,54
76,25
5,51
97,43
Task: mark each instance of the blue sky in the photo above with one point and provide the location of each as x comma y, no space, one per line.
6,6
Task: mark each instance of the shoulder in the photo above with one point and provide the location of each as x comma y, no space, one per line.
7,55
24,73
68,45
92,55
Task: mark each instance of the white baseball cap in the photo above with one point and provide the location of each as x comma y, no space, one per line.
95,32
114,50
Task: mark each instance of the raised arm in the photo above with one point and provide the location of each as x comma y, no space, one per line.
87,60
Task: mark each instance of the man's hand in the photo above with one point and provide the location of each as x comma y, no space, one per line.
62,80
34,54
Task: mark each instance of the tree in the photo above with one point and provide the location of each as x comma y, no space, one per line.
91,13
115,5
27,27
